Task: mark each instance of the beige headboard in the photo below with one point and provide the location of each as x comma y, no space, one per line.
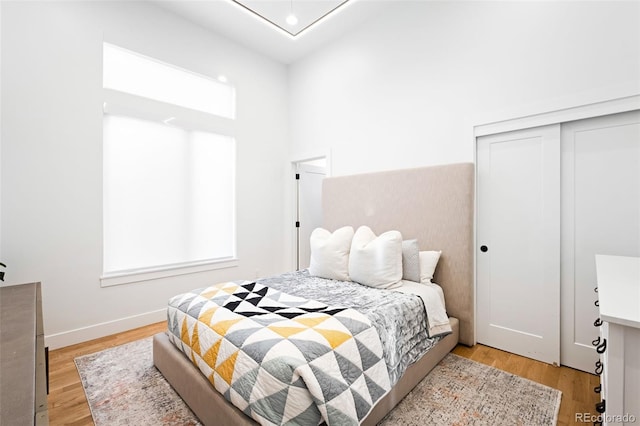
432,204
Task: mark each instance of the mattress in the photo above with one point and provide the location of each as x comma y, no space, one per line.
365,345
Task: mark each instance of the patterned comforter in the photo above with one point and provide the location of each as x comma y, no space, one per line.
265,363
400,319
281,359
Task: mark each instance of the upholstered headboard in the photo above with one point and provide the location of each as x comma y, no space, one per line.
432,204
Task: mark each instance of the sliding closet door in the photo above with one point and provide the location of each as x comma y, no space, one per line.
518,242
600,215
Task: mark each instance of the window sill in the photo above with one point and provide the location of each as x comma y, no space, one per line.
132,276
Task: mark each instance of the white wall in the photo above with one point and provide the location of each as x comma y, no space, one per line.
406,89
52,157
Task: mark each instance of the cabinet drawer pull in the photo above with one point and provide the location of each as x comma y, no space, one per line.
597,303
598,388
597,322
596,342
601,406
595,289
602,346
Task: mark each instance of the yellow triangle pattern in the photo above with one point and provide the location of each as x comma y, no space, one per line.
184,332
286,332
222,327
231,289
226,368
212,354
195,340
206,316
312,321
334,337
210,294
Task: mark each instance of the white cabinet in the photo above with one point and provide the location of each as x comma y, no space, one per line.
619,300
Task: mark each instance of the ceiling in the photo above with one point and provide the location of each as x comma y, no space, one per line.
261,24
306,12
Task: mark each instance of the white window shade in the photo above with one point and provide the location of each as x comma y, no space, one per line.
130,72
168,195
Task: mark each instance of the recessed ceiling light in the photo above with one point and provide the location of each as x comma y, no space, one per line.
292,19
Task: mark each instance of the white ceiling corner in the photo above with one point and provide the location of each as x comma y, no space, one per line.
261,24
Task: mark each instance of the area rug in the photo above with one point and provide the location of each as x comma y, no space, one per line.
124,388
459,391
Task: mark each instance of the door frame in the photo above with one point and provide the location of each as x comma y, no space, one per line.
295,201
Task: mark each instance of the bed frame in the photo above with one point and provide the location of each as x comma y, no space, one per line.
432,204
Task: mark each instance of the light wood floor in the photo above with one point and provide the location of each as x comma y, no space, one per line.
68,405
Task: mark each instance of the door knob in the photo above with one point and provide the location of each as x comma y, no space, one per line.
484,249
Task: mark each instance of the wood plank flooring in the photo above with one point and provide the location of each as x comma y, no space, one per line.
68,405
67,401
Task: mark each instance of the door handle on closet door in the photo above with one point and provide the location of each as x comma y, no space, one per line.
484,249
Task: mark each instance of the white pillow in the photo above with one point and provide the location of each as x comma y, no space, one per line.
410,261
376,261
428,263
330,253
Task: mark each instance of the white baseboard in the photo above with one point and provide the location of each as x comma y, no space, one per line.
79,335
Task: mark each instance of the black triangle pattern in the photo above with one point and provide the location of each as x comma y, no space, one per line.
254,300
290,315
232,305
250,314
242,295
250,286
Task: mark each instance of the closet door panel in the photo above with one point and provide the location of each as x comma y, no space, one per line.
518,253
600,215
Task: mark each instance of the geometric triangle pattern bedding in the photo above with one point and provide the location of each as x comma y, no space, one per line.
279,358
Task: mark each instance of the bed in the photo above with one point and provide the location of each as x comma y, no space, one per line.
433,205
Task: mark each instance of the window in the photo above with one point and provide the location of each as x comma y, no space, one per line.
168,169
133,73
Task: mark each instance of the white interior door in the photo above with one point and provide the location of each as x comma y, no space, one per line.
309,207
600,215
518,239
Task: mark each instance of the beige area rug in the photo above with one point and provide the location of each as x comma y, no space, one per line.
124,388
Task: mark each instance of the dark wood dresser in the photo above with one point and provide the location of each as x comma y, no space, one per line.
23,382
